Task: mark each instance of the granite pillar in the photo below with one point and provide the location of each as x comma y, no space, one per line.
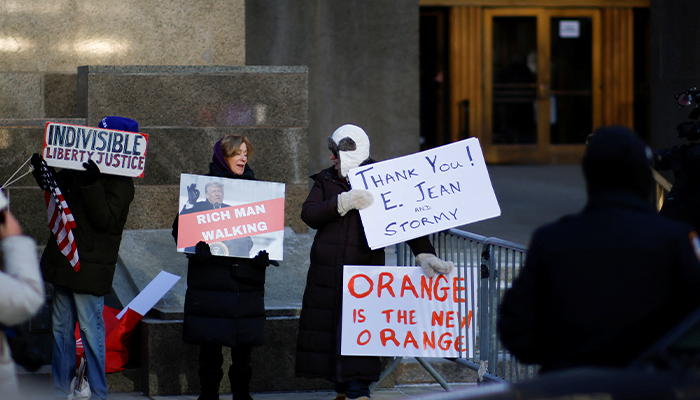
363,66
186,109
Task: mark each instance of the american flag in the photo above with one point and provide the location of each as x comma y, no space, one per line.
60,218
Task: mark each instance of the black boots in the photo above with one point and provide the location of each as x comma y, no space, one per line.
210,372
209,381
240,372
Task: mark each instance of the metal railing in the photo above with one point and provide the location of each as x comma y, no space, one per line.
498,263
662,188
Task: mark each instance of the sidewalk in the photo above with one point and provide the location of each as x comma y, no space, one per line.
530,196
41,390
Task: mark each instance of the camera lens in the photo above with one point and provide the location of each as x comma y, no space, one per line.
684,99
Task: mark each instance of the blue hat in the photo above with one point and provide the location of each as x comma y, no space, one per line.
119,124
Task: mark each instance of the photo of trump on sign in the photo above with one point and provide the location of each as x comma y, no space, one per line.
237,218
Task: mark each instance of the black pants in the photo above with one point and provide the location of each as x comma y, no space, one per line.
354,388
211,360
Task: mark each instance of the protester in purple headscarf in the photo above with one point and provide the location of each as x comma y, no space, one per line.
224,303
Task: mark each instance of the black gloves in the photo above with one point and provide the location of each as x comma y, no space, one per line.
263,260
36,173
192,193
91,174
202,251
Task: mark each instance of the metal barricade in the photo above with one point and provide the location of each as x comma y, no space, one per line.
501,262
498,262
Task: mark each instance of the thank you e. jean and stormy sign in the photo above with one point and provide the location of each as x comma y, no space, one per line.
115,152
398,311
425,192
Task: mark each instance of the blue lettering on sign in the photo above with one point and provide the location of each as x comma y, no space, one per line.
449,189
394,227
378,180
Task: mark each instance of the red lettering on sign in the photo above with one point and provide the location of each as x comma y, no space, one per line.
351,286
408,285
359,337
388,334
381,285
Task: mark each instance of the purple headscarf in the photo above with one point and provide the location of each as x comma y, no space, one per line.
218,158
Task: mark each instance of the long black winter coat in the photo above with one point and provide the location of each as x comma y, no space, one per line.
224,303
601,286
100,211
339,241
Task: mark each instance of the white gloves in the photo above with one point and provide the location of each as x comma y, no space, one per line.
355,199
430,263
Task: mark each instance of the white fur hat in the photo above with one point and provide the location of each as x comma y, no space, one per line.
351,144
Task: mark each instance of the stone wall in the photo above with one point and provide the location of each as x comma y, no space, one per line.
43,43
43,37
184,110
363,66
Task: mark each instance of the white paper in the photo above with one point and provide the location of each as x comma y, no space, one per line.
149,296
233,231
425,192
387,311
115,152
569,29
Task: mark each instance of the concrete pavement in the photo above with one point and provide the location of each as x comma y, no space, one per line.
530,196
40,389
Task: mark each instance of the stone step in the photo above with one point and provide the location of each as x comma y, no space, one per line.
411,372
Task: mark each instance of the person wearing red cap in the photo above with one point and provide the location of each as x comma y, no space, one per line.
100,205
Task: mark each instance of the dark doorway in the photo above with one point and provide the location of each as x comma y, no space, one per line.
434,77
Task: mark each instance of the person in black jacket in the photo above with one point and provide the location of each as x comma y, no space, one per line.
224,302
100,205
601,286
332,208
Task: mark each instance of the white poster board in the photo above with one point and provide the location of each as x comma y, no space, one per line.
115,152
398,311
246,217
151,294
425,192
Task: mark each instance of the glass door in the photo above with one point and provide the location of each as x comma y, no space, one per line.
541,83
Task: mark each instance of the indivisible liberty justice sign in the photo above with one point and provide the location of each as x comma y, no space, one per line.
115,152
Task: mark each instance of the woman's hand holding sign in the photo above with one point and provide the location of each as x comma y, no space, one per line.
431,263
202,251
263,260
355,199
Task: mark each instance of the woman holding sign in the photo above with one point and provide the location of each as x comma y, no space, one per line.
224,304
332,208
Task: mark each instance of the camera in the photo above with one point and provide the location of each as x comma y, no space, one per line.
673,158
691,129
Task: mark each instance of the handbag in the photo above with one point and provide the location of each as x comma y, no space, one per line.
79,386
